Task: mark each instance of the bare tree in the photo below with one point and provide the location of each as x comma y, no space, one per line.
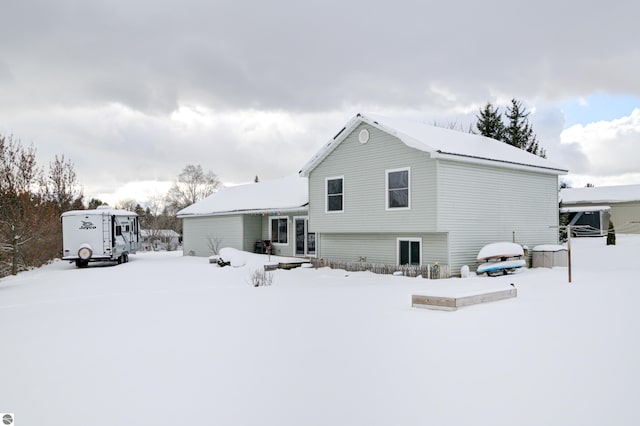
127,204
214,244
28,219
192,185
62,185
454,125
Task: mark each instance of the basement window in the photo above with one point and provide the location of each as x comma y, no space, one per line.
409,251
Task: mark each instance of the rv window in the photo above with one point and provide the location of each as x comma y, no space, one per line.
118,230
126,228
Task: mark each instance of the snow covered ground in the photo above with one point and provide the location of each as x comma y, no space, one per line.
167,339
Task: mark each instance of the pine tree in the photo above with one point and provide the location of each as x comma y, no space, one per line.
490,122
519,132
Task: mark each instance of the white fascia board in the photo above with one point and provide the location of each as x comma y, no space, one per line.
257,211
497,163
330,146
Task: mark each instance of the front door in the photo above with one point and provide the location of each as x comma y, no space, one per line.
305,241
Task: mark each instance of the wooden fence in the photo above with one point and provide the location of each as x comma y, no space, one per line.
433,272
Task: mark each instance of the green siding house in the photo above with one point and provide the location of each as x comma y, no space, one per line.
403,192
393,192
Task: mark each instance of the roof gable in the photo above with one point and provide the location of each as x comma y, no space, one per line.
440,143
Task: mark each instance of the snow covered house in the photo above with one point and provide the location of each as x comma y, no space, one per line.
624,201
389,191
241,216
403,192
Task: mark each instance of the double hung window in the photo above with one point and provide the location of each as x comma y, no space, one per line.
335,194
398,189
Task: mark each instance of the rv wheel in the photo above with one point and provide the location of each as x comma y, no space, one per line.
125,258
119,260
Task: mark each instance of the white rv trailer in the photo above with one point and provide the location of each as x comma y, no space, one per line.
103,234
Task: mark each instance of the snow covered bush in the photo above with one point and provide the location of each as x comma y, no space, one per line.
259,278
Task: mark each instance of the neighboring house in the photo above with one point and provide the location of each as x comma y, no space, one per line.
160,239
240,216
624,201
403,192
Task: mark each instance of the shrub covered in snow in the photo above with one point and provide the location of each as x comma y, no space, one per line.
259,278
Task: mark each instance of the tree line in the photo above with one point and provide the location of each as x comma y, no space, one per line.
512,127
517,130
33,197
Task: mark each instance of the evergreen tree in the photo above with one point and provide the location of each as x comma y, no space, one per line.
490,122
94,203
519,132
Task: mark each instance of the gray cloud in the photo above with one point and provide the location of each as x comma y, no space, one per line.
100,81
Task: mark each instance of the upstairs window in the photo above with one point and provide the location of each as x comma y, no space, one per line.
335,194
279,230
398,185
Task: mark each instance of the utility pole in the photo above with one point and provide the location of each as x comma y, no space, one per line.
569,251
569,228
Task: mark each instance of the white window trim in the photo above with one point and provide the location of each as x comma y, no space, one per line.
306,247
271,218
410,239
386,189
326,194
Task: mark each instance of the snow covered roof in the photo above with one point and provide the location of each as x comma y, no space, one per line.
602,194
584,209
441,143
284,194
100,210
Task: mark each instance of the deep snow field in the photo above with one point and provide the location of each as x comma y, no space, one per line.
168,340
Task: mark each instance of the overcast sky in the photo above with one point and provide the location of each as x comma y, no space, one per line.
132,91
